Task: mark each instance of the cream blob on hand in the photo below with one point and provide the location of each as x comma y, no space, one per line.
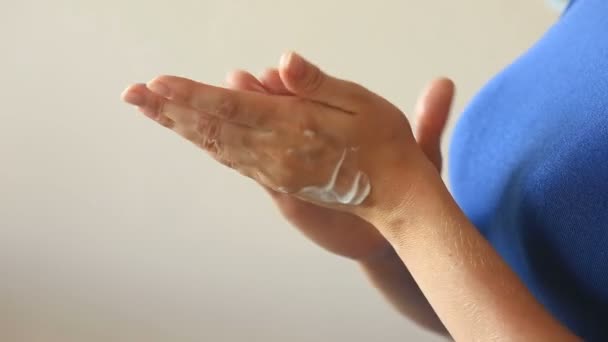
308,164
346,186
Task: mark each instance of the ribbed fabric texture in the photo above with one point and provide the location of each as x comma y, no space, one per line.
529,166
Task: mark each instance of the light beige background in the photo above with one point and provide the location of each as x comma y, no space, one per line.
113,229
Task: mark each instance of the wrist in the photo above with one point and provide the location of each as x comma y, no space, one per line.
407,199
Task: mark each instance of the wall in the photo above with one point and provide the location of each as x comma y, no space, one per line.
112,229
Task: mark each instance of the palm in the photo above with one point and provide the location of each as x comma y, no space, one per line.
339,232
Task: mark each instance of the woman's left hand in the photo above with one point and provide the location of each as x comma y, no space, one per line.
334,143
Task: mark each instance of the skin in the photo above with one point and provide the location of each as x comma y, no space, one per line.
350,236
408,231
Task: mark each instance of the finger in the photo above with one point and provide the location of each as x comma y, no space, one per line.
306,80
147,103
271,79
432,111
206,131
242,80
247,108
236,146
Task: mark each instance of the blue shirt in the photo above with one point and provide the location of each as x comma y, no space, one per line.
529,167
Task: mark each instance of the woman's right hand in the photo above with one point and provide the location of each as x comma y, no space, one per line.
340,232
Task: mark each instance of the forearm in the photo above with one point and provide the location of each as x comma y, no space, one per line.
390,276
473,291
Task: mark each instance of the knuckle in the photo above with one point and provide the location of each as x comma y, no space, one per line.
213,146
166,122
227,107
159,108
209,131
209,127
224,161
185,90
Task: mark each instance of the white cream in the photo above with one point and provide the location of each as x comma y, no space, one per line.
358,191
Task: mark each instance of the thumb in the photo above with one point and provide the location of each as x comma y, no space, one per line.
432,111
306,80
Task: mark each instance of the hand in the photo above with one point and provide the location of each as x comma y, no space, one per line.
339,232
326,145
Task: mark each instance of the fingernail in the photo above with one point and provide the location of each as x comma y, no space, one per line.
134,98
159,88
293,63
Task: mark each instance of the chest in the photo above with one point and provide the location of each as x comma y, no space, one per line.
541,125
529,167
